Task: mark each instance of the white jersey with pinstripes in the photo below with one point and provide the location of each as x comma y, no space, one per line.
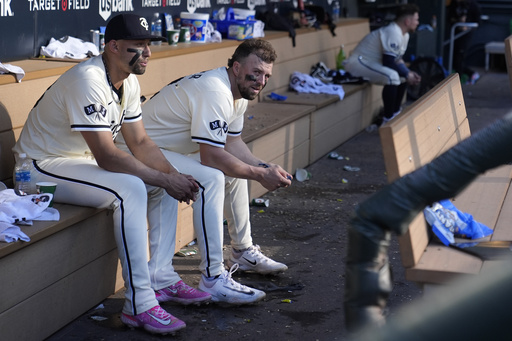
80,100
198,108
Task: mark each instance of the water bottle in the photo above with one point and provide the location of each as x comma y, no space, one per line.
22,175
335,11
156,28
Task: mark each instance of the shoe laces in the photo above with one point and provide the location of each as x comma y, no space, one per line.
255,251
228,279
182,287
159,312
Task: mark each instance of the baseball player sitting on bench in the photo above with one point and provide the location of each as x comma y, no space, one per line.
70,136
197,121
378,58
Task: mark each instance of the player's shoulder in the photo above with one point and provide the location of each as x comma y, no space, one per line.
391,29
87,71
218,74
214,79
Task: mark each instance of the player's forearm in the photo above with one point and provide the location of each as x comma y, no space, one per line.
238,148
150,155
122,162
231,166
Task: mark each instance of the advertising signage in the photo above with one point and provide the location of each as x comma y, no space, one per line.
26,25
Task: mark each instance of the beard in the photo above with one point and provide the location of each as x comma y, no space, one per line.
247,92
138,69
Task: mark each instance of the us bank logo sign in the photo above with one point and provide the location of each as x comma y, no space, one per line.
192,5
5,8
107,7
251,4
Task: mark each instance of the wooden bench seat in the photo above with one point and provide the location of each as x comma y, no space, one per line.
334,121
426,129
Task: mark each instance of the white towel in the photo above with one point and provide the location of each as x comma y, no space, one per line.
69,47
15,209
11,233
302,82
18,72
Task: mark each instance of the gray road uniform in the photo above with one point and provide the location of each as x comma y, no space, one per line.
366,60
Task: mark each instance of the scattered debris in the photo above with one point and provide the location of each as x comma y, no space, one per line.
335,156
351,169
260,202
99,318
302,174
186,252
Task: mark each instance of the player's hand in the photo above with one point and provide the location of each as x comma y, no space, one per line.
182,187
413,78
276,177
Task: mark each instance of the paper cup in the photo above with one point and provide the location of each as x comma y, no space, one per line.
184,35
302,174
173,36
46,187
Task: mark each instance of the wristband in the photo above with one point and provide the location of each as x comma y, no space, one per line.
264,165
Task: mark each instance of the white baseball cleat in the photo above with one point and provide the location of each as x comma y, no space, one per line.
225,289
252,259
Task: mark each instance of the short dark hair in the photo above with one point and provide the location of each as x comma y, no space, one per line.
261,48
406,10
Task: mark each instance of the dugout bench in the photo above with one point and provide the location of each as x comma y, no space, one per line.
426,129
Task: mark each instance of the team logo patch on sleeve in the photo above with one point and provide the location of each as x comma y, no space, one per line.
218,125
95,109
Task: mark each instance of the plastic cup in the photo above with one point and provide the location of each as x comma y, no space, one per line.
173,36
46,187
302,174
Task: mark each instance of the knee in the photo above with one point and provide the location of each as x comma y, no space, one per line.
395,79
132,186
211,177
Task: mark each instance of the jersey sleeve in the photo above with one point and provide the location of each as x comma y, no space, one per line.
392,41
210,118
86,104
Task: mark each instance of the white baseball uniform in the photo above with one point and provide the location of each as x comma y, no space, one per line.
195,109
366,59
82,100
